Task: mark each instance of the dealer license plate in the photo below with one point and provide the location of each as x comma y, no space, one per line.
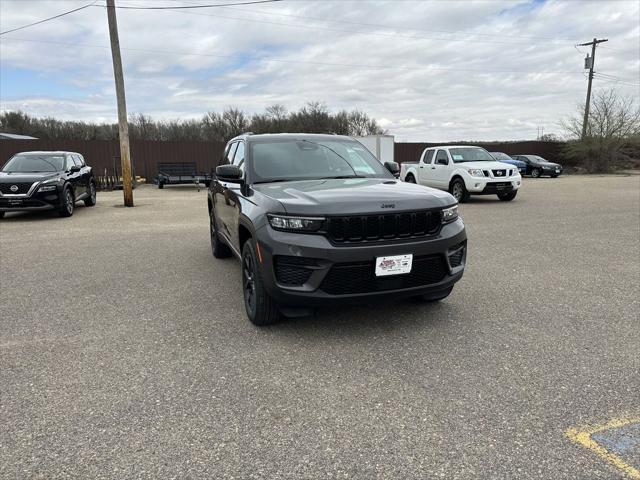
15,203
393,265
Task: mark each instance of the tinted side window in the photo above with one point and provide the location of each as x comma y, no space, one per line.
69,162
77,161
238,158
428,158
80,159
442,158
228,154
231,153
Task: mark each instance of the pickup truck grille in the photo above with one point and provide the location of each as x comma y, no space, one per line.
359,277
23,187
371,228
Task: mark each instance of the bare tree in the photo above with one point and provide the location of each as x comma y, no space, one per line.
314,117
612,134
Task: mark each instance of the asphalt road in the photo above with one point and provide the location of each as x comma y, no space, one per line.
125,351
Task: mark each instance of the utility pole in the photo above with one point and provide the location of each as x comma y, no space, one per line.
590,63
123,127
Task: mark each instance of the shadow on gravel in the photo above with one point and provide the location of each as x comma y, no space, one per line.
371,319
40,216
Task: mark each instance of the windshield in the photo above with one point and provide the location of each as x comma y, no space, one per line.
34,163
290,159
500,156
470,154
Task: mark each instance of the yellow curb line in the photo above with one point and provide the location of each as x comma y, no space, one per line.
583,438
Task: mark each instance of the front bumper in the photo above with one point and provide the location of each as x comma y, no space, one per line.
35,202
484,186
315,289
551,171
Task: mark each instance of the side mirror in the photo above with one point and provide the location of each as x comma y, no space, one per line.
442,161
393,167
74,168
229,173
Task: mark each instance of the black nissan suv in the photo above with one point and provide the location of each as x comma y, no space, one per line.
318,220
46,180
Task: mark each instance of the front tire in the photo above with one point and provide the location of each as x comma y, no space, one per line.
410,179
91,200
160,185
459,190
260,307
218,248
508,196
536,173
2,214
67,204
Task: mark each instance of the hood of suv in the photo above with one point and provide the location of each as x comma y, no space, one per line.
353,196
8,177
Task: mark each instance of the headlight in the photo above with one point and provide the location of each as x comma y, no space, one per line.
476,172
48,187
449,214
297,224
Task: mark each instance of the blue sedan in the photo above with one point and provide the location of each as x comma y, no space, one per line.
504,158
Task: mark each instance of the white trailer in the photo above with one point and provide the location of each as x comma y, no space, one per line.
380,145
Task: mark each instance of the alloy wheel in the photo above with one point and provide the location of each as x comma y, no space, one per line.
69,200
249,284
457,191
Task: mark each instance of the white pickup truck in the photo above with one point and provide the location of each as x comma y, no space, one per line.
463,171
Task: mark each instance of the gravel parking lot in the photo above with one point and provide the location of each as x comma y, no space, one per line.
125,351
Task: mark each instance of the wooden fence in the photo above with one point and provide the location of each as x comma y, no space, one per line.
104,156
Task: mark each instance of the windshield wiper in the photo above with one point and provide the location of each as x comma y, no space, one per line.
341,176
274,180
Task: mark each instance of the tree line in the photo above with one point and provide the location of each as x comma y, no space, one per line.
314,117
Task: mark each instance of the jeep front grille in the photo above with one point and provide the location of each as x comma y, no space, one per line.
371,228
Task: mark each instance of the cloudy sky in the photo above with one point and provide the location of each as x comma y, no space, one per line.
428,70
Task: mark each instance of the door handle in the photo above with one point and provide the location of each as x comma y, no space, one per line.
433,168
421,166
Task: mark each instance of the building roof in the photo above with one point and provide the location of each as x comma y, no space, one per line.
15,136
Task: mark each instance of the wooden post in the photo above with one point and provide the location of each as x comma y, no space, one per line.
123,127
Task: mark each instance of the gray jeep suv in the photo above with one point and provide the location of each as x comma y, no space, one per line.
318,220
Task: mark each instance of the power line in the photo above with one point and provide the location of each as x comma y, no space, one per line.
356,32
182,7
304,62
50,18
614,77
395,27
615,80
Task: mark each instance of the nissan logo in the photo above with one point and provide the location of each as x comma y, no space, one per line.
499,173
13,188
